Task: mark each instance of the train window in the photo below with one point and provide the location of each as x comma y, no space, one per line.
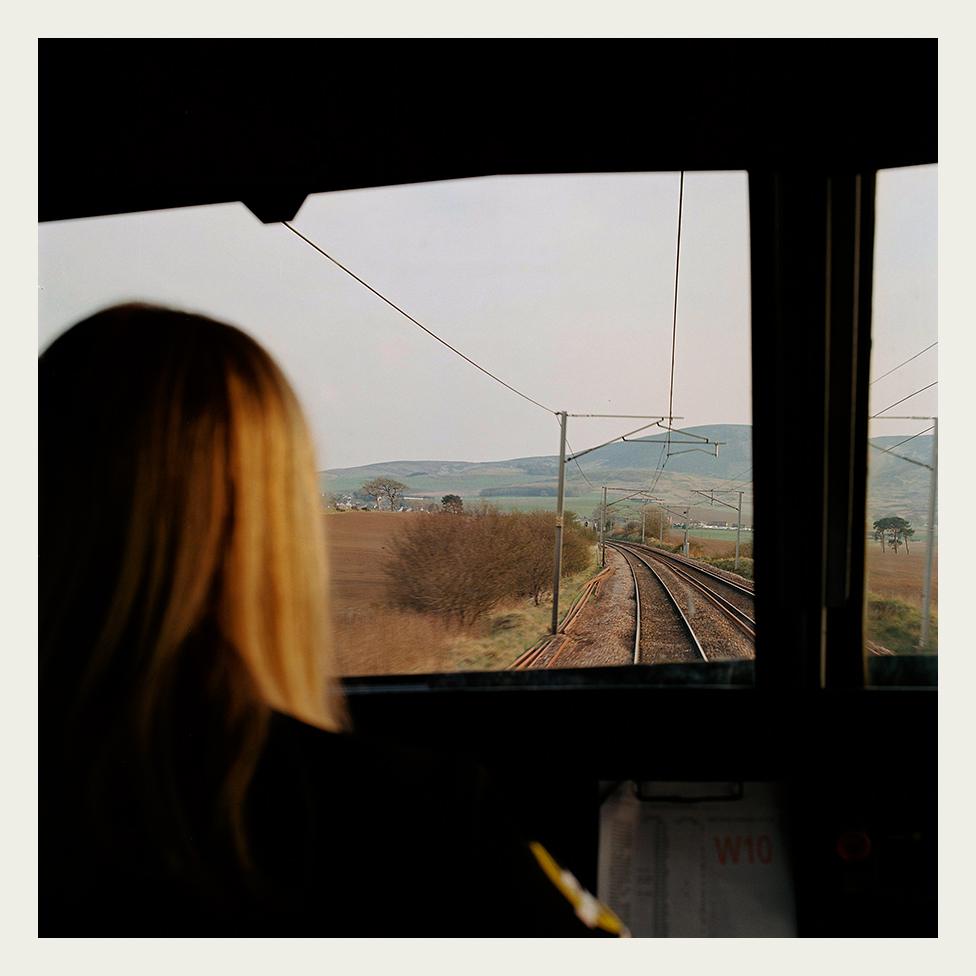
616,305
901,619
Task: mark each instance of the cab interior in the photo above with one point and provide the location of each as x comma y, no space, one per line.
134,126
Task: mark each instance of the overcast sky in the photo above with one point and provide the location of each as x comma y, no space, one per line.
561,285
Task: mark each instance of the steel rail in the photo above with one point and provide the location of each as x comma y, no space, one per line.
740,618
692,636
637,625
532,654
674,557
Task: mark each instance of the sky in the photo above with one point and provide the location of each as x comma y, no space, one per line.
905,298
562,286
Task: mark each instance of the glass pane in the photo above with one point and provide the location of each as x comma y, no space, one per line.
438,481
902,521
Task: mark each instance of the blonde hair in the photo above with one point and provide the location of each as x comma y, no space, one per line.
183,563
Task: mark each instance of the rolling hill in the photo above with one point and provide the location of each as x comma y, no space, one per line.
895,485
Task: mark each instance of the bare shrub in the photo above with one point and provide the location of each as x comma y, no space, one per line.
533,550
454,566
463,566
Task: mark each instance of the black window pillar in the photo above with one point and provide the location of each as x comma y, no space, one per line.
812,244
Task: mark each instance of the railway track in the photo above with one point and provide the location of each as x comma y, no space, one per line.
731,601
736,586
738,601
648,646
669,625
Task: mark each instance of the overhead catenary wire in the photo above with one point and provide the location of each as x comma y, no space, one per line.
888,450
905,363
903,399
583,473
409,317
739,477
665,454
662,460
674,313
661,466
907,439
576,461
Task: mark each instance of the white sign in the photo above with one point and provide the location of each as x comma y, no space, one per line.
697,859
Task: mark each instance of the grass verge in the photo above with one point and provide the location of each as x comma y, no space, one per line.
514,626
745,565
898,626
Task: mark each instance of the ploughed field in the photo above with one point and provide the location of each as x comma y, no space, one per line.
357,544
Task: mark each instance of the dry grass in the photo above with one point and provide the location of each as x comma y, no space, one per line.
895,584
897,626
513,627
385,641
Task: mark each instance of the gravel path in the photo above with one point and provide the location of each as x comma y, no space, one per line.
603,632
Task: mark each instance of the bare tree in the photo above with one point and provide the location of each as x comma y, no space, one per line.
388,488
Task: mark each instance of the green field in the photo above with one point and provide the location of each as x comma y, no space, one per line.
581,504
726,534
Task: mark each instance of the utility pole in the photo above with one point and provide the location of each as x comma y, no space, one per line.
563,415
930,555
710,494
631,493
687,516
558,557
643,520
603,525
738,530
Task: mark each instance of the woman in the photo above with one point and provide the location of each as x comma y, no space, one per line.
195,777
